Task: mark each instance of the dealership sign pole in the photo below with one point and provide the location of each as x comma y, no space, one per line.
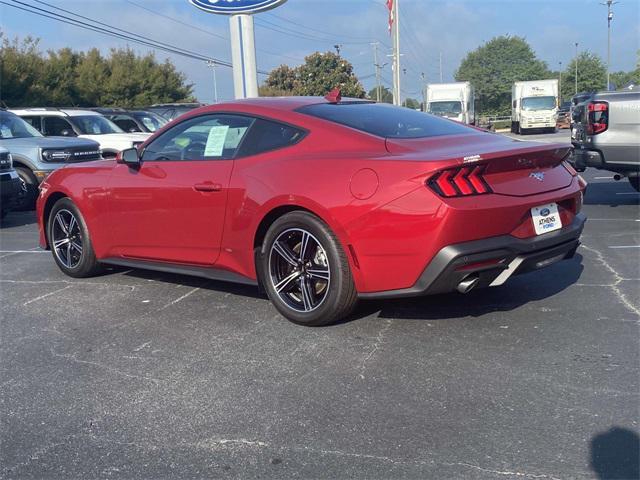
243,49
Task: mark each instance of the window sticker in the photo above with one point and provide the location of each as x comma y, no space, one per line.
234,136
6,132
215,141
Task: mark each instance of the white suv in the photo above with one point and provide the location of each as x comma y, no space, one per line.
64,122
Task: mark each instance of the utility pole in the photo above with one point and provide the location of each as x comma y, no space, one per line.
576,68
397,96
609,18
560,83
337,47
378,67
423,86
440,67
211,64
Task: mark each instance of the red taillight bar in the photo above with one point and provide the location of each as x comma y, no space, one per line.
459,182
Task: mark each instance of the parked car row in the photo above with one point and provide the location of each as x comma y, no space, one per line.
36,141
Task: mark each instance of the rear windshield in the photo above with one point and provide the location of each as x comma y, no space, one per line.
385,120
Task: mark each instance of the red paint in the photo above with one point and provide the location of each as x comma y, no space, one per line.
208,212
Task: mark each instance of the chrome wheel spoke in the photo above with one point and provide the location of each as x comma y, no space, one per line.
319,273
307,293
76,246
61,224
286,253
304,243
287,281
60,243
72,224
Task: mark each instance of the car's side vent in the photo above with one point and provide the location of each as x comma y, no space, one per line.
459,182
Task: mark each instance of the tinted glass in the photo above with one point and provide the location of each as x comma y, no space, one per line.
95,125
445,108
209,137
539,103
267,135
54,126
12,126
150,120
126,123
384,120
34,122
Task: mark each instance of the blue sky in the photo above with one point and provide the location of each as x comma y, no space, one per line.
429,27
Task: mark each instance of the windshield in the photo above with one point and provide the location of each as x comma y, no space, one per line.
12,126
94,125
539,103
385,120
452,108
151,120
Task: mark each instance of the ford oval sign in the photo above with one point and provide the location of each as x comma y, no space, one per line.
232,7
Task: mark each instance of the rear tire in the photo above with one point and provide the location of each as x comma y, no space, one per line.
28,200
635,183
305,272
70,242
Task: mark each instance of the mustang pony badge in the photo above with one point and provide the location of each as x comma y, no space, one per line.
537,175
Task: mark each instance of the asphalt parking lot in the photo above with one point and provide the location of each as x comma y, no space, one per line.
146,375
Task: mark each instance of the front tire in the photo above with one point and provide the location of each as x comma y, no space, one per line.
305,272
70,241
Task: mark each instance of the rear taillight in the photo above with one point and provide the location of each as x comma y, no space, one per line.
459,182
597,117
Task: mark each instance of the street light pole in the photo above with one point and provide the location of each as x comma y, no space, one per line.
576,68
211,64
560,83
609,18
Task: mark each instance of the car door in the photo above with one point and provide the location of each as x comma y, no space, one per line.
171,208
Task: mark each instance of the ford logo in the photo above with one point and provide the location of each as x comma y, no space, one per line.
545,212
231,7
537,175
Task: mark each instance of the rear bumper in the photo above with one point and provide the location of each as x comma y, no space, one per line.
583,158
493,260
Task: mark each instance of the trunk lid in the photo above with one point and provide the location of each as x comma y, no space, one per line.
511,167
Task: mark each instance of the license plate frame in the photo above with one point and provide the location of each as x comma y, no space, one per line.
546,218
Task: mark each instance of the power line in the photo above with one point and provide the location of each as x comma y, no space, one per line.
126,35
207,32
333,35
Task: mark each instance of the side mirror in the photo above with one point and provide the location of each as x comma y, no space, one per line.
129,157
67,133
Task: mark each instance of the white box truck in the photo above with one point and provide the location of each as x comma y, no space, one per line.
455,101
534,104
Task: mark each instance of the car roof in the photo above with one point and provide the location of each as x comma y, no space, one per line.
279,103
70,112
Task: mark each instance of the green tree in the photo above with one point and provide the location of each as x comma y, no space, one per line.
592,75
68,78
495,66
21,68
318,75
412,103
386,96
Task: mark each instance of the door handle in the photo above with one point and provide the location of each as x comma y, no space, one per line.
207,187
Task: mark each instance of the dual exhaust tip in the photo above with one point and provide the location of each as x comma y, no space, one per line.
468,284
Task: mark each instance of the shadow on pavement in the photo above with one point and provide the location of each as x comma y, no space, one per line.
615,454
18,219
607,194
517,292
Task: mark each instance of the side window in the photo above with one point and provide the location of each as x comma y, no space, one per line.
55,126
125,123
208,137
267,135
34,122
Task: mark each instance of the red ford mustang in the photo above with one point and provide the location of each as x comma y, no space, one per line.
320,202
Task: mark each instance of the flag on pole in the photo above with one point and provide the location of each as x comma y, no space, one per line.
391,19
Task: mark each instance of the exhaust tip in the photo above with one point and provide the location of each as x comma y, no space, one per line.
466,285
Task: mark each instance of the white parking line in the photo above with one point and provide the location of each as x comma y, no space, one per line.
627,193
613,219
624,246
602,178
24,251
